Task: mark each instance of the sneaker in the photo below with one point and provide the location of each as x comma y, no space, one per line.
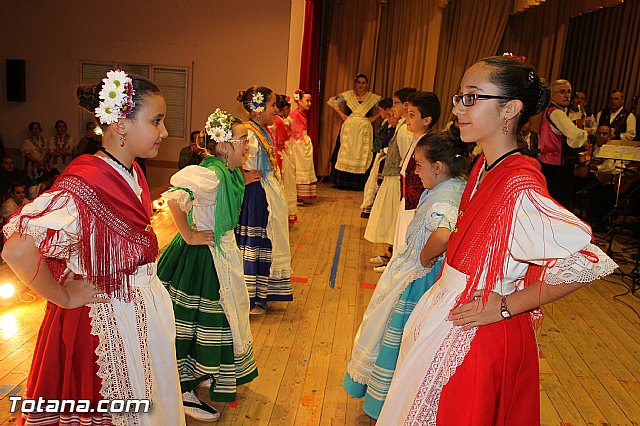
197,409
258,310
379,260
380,268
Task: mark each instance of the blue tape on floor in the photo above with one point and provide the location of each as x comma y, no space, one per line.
336,258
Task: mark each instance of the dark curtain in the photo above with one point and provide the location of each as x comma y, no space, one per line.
603,54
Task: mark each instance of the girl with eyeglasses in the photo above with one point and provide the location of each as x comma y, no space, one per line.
468,353
202,269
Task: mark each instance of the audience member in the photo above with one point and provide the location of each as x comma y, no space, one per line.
61,147
15,201
91,141
191,155
559,143
35,151
621,120
9,174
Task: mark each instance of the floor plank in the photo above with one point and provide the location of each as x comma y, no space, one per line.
589,342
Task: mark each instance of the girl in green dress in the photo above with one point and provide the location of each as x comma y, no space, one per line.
203,271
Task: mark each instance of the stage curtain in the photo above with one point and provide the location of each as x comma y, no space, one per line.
605,54
408,47
471,29
351,49
310,65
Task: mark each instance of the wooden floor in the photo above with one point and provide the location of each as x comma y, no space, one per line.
590,343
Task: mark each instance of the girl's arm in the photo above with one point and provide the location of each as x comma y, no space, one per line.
474,314
436,245
22,255
190,236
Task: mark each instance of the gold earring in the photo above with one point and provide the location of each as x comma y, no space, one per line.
505,126
123,137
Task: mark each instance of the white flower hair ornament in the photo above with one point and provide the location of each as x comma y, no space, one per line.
257,102
218,126
296,94
116,97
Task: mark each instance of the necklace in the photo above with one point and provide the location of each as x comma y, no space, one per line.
128,169
502,157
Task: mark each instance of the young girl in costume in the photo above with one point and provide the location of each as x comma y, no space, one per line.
380,144
262,232
469,353
202,269
302,147
426,108
441,164
108,331
281,131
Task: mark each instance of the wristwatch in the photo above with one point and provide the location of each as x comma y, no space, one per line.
504,310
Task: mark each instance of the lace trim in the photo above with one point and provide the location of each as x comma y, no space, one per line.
183,198
448,357
585,266
360,367
112,362
140,309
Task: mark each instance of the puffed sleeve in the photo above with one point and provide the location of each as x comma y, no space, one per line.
251,157
193,186
53,217
442,215
547,234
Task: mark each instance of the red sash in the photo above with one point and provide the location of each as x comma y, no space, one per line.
480,243
110,213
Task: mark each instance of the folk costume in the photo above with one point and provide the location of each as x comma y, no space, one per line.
287,164
302,150
489,374
263,232
371,187
60,151
353,154
403,283
95,223
206,284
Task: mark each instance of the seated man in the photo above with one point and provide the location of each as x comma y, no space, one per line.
9,174
191,155
598,183
18,199
621,121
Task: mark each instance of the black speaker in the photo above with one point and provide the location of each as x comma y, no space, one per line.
16,80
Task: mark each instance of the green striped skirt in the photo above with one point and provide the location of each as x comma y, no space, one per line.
204,344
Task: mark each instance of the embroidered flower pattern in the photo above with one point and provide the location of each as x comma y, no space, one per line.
116,97
218,125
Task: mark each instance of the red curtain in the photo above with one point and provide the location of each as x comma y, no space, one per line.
310,66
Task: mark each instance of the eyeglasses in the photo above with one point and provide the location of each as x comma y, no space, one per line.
470,99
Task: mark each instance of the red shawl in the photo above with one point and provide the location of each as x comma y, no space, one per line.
110,213
483,232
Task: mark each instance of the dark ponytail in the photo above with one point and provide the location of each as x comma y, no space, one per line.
448,148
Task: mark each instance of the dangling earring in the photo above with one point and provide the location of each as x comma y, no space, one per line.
226,159
259,118
505,126
123,137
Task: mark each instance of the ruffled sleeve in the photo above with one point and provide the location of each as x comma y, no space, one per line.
546,234
442,215
53,217
253,147
193,186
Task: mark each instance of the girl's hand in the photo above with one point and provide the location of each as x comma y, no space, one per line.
200,238
250,177
429,263
81,292
474,314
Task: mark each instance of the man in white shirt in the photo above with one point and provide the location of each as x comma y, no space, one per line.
560,141
621,121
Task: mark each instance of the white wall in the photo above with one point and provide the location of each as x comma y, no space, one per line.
232,44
